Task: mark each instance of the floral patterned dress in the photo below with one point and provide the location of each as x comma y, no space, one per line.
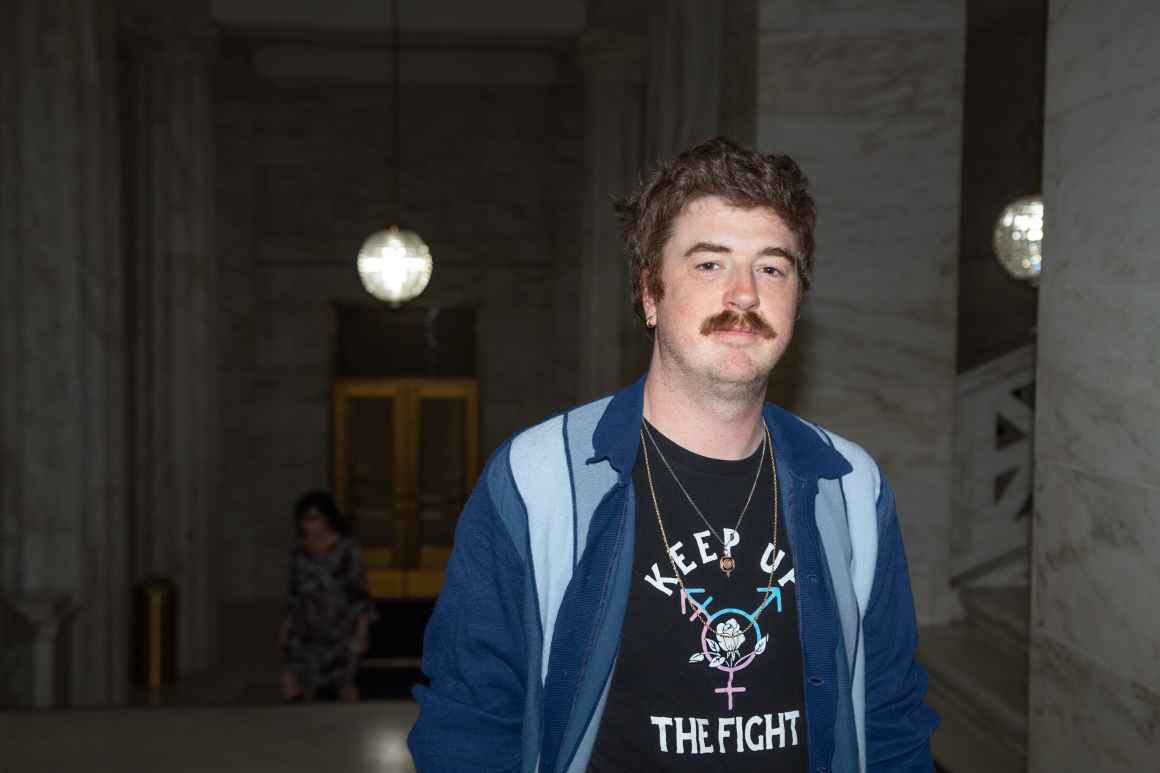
327,597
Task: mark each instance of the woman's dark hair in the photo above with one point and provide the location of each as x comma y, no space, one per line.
743,177
324,503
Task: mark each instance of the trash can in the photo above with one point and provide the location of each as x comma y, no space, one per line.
155,633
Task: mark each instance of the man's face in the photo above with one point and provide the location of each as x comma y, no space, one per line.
730,295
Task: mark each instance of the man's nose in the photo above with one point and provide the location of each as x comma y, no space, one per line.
742,293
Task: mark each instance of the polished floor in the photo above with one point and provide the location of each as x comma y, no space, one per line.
230,719
317,738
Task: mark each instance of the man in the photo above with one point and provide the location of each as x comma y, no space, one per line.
682,576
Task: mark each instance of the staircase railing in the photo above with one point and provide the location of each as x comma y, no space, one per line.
994,434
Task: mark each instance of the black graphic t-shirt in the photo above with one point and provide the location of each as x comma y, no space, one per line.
708,678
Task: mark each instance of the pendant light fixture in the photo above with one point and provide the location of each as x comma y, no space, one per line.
394,264
1018,238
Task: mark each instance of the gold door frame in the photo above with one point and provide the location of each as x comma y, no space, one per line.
407,393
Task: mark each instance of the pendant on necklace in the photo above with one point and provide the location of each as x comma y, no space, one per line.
727,563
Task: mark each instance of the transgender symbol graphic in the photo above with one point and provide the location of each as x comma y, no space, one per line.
723,638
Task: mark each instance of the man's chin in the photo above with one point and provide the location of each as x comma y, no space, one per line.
741,371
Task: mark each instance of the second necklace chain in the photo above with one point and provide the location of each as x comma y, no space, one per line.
744,508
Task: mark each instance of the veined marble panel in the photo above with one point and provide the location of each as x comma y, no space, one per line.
876,162
1096,576
1095,694
900,334
861,74
1099,380
1099,49
1084,717
868,100
887,200
1101,184
910,440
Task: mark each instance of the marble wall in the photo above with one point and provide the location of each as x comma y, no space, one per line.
867,98
492,180
1095,657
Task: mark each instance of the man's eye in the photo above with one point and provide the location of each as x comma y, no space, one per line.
709,265
772,270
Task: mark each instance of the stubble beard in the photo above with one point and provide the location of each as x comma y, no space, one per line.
706,381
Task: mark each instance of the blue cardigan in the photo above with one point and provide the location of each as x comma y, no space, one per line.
524,637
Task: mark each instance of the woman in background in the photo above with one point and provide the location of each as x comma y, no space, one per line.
325,630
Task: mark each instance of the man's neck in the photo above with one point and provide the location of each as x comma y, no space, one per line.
698,420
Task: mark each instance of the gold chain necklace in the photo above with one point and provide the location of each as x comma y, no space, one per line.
665,538
727,562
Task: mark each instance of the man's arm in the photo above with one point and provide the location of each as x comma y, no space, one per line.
898,724
474,650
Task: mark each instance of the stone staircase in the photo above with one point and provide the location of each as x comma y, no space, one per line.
978,670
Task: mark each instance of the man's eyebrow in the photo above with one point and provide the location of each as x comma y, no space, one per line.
706,247
768,252
779,252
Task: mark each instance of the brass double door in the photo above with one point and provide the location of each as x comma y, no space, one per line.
406,455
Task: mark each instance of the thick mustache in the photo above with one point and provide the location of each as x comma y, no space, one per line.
728,319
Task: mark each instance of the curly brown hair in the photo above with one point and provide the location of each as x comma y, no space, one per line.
716,167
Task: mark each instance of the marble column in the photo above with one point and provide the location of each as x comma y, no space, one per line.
1095,666
868,101
613,345
684,76
63,530
172,314
738,70
702,74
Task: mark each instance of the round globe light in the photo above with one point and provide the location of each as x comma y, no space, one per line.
394,265
1018,238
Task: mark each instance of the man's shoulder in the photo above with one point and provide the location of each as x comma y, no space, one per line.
862,462
854,453
558,438
577,423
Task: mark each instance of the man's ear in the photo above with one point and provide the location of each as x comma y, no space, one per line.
649,305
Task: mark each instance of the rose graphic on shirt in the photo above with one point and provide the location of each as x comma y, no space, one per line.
724,648
729,639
